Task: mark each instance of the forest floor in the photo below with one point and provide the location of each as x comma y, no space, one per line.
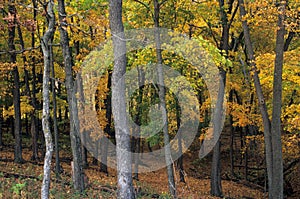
24,180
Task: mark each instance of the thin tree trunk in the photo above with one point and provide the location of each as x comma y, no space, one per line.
55,129
82,102
34,127
277,175
138,121
231,138
104,144
124,160
46,99
180,159
78,177
16,89
161,93
81,94
259,93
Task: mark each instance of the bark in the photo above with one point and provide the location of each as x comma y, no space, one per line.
104,144
288,40
138,121
277,175
161,93
81,94
46,99
55,129
34,127
216,187
259,93
232,131
16,89
81,104
125,188
180,159
78,179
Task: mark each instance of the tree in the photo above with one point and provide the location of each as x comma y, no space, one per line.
162,98
277,170
272,130
124,160
46,98
55,128
34,125
103,163
77,167
12,18
259,92
162,93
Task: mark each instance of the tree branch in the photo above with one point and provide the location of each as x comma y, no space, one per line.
233,15
19,51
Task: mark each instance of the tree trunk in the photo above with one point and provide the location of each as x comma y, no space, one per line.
78,179
16,89
125,188
46,99
82,101
216,187
232,130
81,94
34,128
104,144
34,122
277,175
161,93
180,159
138,121
55,128
259,93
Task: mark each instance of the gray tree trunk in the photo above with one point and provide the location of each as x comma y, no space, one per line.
161,93
55,129
78,174
46,99
124,160
259,93
138,121
83,135
81,95
216,187
277,175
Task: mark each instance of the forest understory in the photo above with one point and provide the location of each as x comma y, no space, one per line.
24,180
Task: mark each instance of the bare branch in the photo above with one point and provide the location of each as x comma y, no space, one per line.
19,51
146,6
233,15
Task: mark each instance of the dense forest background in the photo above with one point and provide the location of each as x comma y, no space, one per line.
62,60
